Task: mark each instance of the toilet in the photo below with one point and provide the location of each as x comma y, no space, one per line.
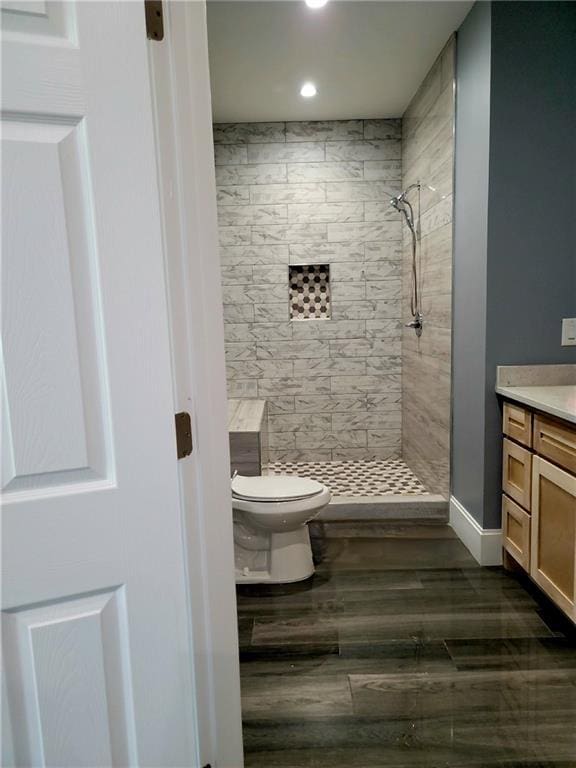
271,539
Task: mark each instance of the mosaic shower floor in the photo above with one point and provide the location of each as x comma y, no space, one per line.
355,478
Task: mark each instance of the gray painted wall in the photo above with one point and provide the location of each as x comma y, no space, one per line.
470,248
532,210
515,232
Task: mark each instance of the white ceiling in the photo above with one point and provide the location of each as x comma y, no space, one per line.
366,58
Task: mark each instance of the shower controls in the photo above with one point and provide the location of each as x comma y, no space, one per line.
417,324
403,206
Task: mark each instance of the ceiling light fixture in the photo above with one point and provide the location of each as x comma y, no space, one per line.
316,3
308,90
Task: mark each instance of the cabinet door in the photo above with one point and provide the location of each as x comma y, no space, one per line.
553,555
516,473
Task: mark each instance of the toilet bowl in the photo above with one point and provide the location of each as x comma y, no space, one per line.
271,539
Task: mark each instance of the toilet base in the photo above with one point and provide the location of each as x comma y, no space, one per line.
289,560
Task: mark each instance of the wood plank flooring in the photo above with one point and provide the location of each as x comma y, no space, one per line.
402,652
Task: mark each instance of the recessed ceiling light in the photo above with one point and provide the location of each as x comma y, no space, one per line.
308,90
316,3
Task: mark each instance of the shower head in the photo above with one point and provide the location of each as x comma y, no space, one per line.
401,204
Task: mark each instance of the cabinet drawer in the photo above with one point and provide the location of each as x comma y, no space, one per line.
517,473
517,424
555,440
516,532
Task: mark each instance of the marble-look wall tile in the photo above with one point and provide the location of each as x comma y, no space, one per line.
315,193
326,439
387,402
383,250
335,329
245,388
269,173
265,194
366,384
324,130
326,253
292,350
337,191
230,154
381,420
330,366
330,403
367,348
384,289
232,215
259,369
237,275
236,294
240,350
364,232
269,273
293,386
238,313
364,150
383,270
253,254
296,422
428,147
264,313
234,195
249,133
258,331
304,152
384,170
347,291
383,129
291,233
234,235
325,171
325,212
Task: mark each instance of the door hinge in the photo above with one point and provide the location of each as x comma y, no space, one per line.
183,434
154,19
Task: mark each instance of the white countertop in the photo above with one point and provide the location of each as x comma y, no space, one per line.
559,401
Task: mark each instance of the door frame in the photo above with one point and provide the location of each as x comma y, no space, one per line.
180,83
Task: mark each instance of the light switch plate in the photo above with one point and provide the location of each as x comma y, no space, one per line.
569,332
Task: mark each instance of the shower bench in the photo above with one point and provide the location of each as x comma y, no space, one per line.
247,428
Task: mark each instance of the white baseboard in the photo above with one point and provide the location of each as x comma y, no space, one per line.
485,544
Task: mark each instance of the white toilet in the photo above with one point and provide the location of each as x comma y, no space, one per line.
271,539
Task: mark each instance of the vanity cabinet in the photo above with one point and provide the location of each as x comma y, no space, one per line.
539,501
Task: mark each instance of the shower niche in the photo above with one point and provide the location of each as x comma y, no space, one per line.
309,291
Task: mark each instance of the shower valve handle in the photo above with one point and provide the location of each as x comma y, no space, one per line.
417,323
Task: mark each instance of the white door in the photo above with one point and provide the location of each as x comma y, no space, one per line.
96,647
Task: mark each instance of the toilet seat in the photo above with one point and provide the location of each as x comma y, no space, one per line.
275,488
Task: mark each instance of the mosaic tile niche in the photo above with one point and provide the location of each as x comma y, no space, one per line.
314,195
309,292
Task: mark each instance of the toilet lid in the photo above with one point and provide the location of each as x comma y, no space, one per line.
274,488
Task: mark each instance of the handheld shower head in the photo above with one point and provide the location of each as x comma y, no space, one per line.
403,206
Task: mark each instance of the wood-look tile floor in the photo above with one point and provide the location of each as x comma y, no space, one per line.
402,652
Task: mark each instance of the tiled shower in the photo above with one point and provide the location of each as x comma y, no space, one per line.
314,281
